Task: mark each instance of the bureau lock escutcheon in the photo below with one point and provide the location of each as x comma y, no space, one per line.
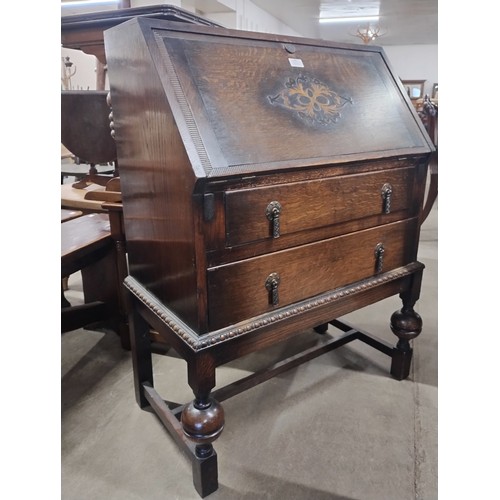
273,212
272,284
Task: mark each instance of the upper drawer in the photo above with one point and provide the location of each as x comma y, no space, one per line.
251,213
244,289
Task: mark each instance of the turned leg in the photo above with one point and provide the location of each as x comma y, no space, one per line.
115,213
406,324
202,422
141,357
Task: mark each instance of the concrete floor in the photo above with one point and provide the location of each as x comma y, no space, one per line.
338,427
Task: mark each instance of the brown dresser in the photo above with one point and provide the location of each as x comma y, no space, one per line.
270,185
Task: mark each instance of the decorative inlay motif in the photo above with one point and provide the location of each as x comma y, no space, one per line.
311,100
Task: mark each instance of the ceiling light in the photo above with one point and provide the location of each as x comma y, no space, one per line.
369,33
348,19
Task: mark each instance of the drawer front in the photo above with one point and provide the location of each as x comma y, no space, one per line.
268,212
247,288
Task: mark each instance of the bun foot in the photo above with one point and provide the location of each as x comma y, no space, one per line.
202,422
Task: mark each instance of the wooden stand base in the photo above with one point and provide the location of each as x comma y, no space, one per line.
205,476
196,425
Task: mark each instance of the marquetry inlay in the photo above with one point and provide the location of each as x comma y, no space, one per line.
310,100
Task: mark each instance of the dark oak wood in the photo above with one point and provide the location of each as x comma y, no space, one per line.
332,201
85,31
85,132
94,245
85,125
339,260
263,195
82,240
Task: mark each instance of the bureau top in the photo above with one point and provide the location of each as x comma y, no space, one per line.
245,103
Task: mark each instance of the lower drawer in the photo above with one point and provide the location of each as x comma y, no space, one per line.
250,287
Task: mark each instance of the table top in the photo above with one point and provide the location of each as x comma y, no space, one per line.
85,232
67,214
74,198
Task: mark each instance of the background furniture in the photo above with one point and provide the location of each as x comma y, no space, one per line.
94,245
90,198
85,132
427,109
85,31
67,215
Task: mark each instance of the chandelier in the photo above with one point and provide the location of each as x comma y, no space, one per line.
369,33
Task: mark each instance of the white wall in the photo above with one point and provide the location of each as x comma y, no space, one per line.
85,76
410,62
415,62
226,19
249,17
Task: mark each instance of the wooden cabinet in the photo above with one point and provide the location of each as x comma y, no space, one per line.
270,184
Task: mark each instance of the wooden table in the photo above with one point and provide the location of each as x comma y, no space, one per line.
67,215
75,198
93,244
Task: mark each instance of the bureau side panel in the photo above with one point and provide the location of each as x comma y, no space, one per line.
156,178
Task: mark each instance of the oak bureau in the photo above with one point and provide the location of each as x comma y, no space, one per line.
270,185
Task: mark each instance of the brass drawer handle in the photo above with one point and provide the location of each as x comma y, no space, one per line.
379,257
273,211
386,197
272,283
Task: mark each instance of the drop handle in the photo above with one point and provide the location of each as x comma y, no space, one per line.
379,257
273,212
386,193
272,284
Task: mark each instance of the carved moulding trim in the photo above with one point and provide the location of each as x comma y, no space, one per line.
197,343
184,107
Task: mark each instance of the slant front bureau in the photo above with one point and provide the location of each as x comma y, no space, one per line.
270,185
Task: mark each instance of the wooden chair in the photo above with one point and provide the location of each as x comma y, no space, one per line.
95,245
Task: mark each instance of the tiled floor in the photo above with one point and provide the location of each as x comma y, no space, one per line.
338,427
